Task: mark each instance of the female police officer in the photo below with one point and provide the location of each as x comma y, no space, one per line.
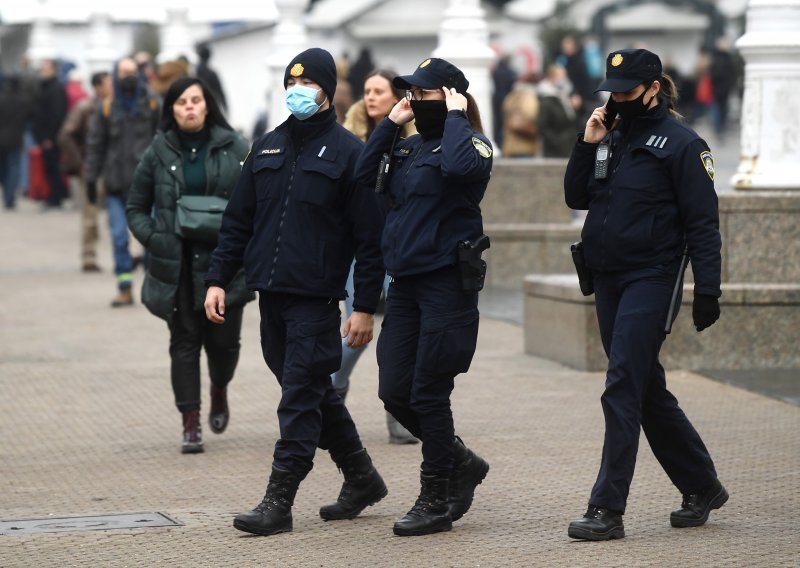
295,220
436,182
648,186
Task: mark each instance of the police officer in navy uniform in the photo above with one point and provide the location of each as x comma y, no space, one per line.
429,333
649,187
295,220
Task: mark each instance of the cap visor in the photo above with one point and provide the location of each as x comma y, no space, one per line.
618,85
407,81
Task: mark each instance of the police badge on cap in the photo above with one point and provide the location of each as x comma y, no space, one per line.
627,68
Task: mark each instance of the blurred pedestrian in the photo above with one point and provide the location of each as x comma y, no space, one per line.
435,185
520,117
49,112
722,72
573,60
205,73
379,98
15,110
118,136
295,220
503,79
649,187
343,99
558,113
358,72
194,135
72,139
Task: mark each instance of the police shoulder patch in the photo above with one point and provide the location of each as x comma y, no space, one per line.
708,163
482,147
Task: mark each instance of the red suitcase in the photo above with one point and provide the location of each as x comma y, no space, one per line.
38,186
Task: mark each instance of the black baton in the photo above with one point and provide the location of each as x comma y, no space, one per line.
676,290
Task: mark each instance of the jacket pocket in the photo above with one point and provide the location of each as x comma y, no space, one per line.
264,170
448,341
315,347
320,185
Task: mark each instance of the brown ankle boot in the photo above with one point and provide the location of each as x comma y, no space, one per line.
124,298
192,433
219,414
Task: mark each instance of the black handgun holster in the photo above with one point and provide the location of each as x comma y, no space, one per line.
584,274
470,265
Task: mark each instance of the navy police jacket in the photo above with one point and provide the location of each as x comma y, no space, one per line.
658,197
434,193
297,216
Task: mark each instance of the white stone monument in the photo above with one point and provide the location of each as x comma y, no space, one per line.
176,37
42,41
464,42
288,39
770,138
100,55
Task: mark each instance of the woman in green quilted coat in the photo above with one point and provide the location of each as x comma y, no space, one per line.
195,152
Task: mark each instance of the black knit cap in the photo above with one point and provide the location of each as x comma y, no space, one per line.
434,73
315,64
627,68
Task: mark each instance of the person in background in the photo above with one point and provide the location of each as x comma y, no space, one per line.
49,112
436,182
343,99
74,89
295,221
558,113
15,110
195,135
723,72
118,136
573,60
651,200
72,139
503,80
379,98
206,74
520,116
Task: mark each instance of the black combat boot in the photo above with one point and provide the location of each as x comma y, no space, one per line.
192,433
696,507
469,470
219,415
430,514
597,524
274,514
362,487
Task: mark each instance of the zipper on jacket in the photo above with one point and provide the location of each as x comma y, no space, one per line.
405,177
283,212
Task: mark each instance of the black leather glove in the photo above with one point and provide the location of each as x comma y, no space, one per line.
705,311
91,192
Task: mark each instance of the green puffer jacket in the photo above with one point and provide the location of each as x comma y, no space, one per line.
157,185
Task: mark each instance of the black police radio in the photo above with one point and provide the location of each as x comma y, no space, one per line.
602,159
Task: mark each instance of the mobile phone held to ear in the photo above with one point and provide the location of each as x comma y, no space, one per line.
611,113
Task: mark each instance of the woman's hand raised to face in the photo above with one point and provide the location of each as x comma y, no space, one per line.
401,112
454,99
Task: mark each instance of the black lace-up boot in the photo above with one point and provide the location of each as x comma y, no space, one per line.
597,524
274,514
192,433
696,507
430,514
362,487
469,470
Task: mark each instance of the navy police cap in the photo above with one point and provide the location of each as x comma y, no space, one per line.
434,73
627,68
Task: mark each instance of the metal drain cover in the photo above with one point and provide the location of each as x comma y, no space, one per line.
97,523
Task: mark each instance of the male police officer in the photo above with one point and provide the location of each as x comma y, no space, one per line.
295,220
649,189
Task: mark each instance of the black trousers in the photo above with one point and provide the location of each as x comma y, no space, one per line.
428,336
632,309
52,170
301,344
190,331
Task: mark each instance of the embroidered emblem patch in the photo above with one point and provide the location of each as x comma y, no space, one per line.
482,147
616,61
425,63
297,70
708,163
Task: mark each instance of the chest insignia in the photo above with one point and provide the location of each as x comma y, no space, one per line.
482,147
656,141
271,151
405,151
708,163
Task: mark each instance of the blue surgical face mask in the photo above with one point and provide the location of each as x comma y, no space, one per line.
302,101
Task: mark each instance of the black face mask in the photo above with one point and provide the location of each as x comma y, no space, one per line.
429,117
128,85
632,109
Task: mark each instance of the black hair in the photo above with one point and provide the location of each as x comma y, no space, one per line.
99,77
669,94
214,116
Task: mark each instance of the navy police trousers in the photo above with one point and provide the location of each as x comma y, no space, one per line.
428,336
631,310
302,345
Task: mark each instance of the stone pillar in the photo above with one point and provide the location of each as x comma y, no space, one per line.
42,43
100,53
288,39
176,38
770,139
464,41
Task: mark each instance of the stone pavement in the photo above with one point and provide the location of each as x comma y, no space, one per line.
88,427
